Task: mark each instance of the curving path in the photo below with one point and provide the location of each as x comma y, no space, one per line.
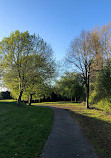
66,139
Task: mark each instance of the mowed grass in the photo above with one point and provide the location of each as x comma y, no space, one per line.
23,129
95,125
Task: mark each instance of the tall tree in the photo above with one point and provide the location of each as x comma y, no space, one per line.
89,52
80,55
24,57
39,73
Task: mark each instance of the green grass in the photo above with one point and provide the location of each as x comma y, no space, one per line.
95,125
23,129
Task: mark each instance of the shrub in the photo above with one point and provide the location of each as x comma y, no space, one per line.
104,104
93,98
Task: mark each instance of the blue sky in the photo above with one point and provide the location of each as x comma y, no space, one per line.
56,21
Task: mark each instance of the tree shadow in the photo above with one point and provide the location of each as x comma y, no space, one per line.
95,108
97,131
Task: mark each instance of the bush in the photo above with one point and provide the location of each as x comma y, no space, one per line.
104,104
93,98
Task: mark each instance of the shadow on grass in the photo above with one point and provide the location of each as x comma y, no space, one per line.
98,132
95,108
23,130
5,104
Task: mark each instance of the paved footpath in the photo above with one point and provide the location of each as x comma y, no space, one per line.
66,139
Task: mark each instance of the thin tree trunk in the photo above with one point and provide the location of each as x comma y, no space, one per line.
20,96
71,99
39,100
20,92
87,96
87,90
75,99
87,69
30,99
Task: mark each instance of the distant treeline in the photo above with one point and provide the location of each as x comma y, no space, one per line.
54,97
5,95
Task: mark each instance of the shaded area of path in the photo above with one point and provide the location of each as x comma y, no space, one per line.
66,139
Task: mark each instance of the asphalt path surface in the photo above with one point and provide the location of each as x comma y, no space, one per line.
66,139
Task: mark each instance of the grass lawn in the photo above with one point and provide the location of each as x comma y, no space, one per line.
95,124
23,129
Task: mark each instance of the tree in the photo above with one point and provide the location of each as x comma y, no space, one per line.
100,44
13,49
70,86
80,55
88,53
39,74
102,85
103,82
24,58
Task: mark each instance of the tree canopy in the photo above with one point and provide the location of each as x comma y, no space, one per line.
26,61
70,86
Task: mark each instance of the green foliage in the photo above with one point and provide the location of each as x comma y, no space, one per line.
93,98
89,52
70,86
100,103
11,81
101,96
104,104
26,62
38,91
103,82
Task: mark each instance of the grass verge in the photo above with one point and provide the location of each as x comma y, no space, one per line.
23,130
94,123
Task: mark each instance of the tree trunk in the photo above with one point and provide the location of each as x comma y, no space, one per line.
30,99
20,92
87,92
39,100
71,99
20,96
87,96
75,99
87,69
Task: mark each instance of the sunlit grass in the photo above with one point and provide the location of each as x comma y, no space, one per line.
23,129
6,100
95,124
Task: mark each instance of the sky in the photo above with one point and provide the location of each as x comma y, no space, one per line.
58,22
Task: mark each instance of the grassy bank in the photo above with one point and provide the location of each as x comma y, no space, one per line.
95,124
23,130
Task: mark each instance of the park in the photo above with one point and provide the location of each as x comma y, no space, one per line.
25,129
55,106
